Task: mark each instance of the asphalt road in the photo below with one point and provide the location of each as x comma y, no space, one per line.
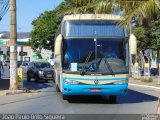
47,100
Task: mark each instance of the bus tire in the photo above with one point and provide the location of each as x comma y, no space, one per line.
65,97
113,99
57,88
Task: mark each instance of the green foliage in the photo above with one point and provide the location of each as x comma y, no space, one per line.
137,78
155,32
44,30
148,34
131,9
141,35
46,25
147,80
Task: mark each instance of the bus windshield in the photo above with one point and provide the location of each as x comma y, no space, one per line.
88,28
105,56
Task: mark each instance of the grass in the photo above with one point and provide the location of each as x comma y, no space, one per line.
147,80
137,78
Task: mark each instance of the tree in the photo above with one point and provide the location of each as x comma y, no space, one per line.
44,30
131,9
154,32
139,12
148,35
142,37
45,26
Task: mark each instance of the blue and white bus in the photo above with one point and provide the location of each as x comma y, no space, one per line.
91,56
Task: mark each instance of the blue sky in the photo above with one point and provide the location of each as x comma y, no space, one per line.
27,11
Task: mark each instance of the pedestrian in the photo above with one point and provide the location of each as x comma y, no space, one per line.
1,66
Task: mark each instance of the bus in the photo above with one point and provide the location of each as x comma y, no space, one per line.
91,56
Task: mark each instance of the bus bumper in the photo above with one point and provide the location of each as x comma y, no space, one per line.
95,89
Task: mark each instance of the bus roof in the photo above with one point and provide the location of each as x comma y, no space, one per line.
92,17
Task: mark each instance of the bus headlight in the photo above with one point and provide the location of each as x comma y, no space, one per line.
72,82
121,82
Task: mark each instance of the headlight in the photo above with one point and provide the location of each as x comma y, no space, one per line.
121,82
40,72
72,82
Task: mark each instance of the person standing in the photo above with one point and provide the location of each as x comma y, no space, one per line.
1,66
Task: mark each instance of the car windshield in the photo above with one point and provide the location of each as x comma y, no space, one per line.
43,65
108,56
25,64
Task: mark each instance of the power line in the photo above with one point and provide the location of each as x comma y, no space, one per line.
4,8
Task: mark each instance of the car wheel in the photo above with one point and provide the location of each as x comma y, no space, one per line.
28,78
36,78
46,81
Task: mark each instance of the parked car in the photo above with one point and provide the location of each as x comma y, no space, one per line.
4,63
40,71
154,71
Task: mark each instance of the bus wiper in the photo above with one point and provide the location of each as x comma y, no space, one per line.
84,70
108,65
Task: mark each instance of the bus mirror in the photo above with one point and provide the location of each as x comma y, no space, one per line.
133,44
57,59
58,44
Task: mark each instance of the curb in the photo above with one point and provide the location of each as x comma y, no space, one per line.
13,92
146,86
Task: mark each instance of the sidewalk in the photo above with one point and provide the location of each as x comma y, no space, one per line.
154,83
4,88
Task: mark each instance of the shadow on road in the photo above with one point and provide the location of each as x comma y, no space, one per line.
37,85
4,84
131,97
136,97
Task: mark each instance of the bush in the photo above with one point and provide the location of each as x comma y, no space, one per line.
137,78
147,80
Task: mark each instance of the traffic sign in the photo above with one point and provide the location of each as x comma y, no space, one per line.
22,53
1,52
2,42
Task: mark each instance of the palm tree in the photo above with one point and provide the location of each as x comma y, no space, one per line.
130,9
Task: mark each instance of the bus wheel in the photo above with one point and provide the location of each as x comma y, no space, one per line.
113,99
65,97
57,88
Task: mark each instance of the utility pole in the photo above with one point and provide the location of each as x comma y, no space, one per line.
13,46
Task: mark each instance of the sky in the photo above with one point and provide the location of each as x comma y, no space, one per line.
27,11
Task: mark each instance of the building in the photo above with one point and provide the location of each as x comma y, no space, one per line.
24,52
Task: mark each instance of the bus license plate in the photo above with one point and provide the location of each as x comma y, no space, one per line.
95,90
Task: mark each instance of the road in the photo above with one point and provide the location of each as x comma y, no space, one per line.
47,100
